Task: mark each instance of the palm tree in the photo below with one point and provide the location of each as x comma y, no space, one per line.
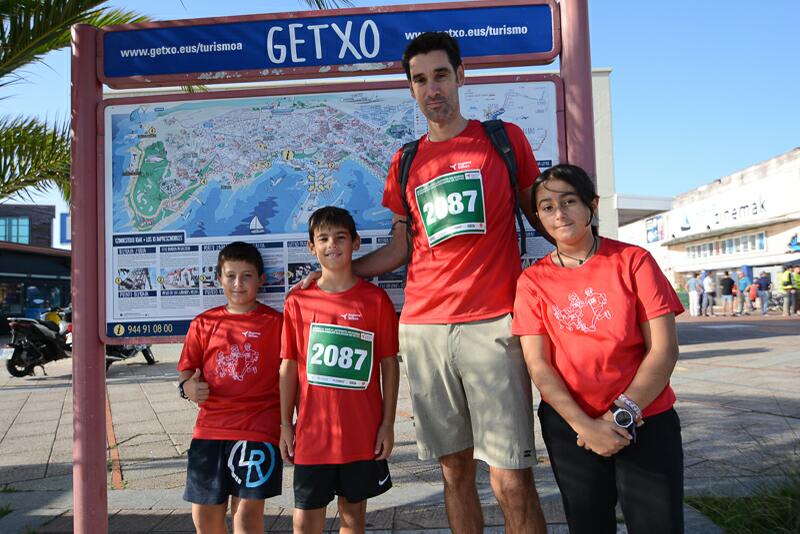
33,153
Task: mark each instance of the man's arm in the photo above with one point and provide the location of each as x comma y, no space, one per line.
387,258
526,203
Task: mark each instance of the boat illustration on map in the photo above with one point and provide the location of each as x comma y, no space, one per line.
255,226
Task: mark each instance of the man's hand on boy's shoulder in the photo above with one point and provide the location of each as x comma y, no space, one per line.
286,444
196,388
384,443
305,283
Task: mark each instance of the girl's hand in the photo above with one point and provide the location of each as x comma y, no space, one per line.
603,437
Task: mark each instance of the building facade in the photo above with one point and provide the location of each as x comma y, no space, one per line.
749,219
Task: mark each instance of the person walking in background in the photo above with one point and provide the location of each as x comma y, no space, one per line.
789,292
743,297
726,290
693,289
709,293
764,284
796,274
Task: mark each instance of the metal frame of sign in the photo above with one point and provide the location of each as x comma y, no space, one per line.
269,91
327,71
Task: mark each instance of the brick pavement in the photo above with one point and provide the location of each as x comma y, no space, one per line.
737,397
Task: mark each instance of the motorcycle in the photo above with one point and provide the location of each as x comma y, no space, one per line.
117,353
37,342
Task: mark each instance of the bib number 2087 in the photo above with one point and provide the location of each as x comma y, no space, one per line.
333,356
339,356
441,207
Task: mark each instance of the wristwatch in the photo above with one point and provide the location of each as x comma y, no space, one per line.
181,392
623,418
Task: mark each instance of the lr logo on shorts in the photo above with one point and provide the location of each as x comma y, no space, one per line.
254,462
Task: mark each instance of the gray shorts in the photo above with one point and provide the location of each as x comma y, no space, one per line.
470,388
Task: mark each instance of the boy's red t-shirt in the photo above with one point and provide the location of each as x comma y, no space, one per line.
471,276
336,424
239,355
592,317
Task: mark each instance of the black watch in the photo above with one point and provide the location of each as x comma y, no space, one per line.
623,418
181,392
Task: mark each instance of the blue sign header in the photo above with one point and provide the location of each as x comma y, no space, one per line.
364,41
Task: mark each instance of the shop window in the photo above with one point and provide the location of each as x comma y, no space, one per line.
753,242
737,242
761,241
724,247
15,229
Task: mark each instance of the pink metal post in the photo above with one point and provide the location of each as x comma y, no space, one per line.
88,365
576,71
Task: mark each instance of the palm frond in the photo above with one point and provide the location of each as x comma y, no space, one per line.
327,4
33,154
32,28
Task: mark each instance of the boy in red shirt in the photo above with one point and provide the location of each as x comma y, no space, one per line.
229,366
339,347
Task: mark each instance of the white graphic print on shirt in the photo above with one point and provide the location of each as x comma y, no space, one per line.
575,316
237,364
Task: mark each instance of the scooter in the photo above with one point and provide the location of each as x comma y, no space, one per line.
35,342
117,353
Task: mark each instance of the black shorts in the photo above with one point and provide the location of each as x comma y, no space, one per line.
245,469
316,485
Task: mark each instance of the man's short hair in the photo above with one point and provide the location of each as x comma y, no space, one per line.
331,216
240,251
428,42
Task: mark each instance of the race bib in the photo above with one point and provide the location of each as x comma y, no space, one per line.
339,356
452,205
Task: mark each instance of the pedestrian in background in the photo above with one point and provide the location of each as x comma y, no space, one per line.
743,298
764,284
789,292
726,285
693,289
709,294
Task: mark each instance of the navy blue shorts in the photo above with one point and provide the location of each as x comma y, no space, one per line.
244,469
316,485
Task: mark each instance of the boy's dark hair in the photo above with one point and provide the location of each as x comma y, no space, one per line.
240,251
578,179
329,216
428,42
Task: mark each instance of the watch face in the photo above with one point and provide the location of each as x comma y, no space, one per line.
623,418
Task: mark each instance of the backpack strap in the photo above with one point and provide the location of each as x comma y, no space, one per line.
407,157
496,131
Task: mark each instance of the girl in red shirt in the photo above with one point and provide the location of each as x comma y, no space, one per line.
596,319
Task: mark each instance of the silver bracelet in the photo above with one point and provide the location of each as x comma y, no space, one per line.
632,406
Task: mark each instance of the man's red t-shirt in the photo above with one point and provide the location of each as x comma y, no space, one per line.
456,276
592,316
239,355
337,420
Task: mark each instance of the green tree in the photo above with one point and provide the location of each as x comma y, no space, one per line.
33,152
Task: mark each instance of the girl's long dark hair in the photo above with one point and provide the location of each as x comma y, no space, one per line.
579,180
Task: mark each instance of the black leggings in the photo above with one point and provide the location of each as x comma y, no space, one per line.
646,476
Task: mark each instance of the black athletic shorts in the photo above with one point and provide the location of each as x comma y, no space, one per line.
316,485
245,469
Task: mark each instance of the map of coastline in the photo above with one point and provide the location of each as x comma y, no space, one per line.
262,165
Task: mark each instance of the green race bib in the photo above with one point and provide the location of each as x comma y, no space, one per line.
339,356
451,205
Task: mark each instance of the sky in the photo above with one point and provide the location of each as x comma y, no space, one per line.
699,90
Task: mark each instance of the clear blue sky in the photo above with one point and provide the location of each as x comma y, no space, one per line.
699,89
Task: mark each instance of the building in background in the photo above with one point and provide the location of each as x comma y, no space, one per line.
750,218
34,276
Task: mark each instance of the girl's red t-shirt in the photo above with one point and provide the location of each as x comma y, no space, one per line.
592,317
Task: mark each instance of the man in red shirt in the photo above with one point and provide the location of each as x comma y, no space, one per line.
470,389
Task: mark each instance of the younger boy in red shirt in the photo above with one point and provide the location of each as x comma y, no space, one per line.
229,366
339,346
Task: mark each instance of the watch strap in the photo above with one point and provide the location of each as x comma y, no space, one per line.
181,391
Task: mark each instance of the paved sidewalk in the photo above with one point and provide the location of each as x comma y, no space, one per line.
737,397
